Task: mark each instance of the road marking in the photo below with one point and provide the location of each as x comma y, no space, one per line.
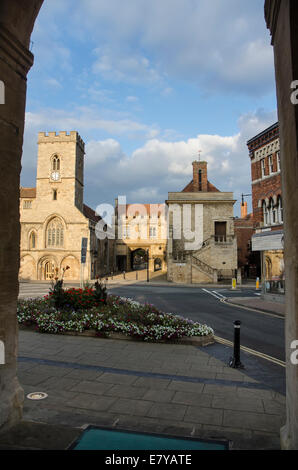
251,351
213,295
222,296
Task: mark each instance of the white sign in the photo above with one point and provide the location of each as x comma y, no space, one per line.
2,92
2,353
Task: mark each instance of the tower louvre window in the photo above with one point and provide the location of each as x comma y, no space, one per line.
56,163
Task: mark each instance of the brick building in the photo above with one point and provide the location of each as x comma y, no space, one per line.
264,152
244,230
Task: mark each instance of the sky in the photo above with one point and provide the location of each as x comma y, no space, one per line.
147,84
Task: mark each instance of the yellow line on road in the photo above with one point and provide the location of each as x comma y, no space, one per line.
252,351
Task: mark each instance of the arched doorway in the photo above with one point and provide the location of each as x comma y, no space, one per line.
47,269
157,264
139,259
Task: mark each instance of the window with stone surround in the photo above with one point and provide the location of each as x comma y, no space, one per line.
263,167
278,160
32,241
56,163
265,214
27,205
55,234
279,210
152,232
271,169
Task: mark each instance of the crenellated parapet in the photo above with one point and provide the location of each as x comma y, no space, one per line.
62,136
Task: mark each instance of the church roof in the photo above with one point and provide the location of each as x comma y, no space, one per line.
29,193
90,213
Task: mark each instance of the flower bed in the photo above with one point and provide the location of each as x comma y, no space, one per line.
114,315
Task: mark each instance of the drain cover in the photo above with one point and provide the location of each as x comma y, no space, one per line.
37,396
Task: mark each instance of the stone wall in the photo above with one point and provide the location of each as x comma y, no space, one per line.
282,19
17,20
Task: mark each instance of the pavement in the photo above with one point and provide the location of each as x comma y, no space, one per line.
158,388
259,304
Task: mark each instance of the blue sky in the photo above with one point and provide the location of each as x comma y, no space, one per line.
147,84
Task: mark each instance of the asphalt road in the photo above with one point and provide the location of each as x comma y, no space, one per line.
259,331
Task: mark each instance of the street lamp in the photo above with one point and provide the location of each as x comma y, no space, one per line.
147,264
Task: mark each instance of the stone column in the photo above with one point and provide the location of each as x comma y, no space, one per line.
16,23
282,19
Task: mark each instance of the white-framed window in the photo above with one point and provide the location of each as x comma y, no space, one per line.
27,205
271,169
280,217
265,214
263,167
272,212
126,231
152,232
278,160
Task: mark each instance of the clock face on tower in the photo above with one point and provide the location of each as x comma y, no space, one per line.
55,175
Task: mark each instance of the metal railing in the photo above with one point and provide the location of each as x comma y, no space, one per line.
203,266
274,286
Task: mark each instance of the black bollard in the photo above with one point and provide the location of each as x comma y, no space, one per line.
123,274
136,275
235,361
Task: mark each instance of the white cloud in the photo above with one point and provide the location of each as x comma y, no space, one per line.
220,45
86,119
127,67
155,168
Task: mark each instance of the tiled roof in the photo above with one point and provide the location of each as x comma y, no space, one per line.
148,207
90,213
29,193
210,188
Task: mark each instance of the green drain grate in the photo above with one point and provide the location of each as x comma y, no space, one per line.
94,438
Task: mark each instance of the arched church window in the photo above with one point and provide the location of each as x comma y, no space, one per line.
32,241
56,163
55,234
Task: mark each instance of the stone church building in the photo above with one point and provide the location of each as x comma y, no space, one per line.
54,218
202,246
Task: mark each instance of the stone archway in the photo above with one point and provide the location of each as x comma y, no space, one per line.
48,268
17,21
73,271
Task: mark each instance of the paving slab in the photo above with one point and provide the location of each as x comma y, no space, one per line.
146,386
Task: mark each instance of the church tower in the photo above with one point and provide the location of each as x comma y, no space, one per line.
60,168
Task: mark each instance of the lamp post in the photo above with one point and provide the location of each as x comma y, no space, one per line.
147,264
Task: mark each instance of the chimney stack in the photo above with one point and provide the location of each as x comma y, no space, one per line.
243,210
200,182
